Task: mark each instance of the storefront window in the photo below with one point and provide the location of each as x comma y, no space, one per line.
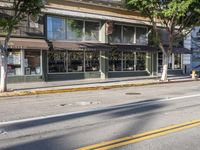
115,37
160,61
32,62
141,36
170,62
115,61
57,62
75,61
177,61
74,30
128,34
55,28
128,61
14,63
92,61
92,31
141,61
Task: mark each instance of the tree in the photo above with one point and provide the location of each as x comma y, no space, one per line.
176,17
20,9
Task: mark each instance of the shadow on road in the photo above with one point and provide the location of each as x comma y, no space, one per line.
70,140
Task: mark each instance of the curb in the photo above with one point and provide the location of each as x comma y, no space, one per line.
106,87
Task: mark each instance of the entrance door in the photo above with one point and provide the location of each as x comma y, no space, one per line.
160,62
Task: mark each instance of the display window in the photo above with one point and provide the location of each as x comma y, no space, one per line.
75,61
14,63
57,62
115,61
141,61
92,60
32,62
177,61
128,61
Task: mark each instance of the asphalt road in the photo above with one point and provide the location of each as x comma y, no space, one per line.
73,120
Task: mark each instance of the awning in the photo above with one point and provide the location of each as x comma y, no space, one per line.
59,45
181,50
22,43
139,48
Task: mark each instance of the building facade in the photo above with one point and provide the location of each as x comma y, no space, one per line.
85,39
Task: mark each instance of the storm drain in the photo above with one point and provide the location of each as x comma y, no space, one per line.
133,93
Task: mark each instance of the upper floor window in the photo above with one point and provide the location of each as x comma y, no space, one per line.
141,36
72,29
116,35
56,28
91,31
129,35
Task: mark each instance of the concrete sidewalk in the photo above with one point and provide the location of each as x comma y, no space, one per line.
23,89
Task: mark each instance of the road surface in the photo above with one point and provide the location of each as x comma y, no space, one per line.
156,117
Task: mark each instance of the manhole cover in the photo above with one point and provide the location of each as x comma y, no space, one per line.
133,93
63,104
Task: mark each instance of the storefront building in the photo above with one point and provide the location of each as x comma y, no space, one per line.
77,40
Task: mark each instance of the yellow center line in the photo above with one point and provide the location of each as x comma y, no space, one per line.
142,136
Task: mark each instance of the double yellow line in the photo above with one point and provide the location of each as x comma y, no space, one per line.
142,136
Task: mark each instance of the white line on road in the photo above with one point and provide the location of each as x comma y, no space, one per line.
138,104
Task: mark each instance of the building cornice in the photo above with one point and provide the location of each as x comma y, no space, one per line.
70,13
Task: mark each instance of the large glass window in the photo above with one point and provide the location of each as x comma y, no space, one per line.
141,36
115,61
128,34
141,61
57,62
32,62
92,31
170,62
115,37
14,63
55,28
92,61
74,30
75,61
128,61
177,61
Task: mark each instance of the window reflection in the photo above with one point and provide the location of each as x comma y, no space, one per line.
74,30
128,61
92,61
32,62
57,62
141,36
177,61
141,61
115,37
55,28
75,61
91,31
14,63
115,61
128,34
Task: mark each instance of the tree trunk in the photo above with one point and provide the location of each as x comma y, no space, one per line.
165,68
3,63
3,87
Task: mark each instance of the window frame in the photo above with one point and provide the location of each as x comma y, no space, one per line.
66,28
135,33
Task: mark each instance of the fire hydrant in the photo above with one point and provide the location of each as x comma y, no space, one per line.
194,75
